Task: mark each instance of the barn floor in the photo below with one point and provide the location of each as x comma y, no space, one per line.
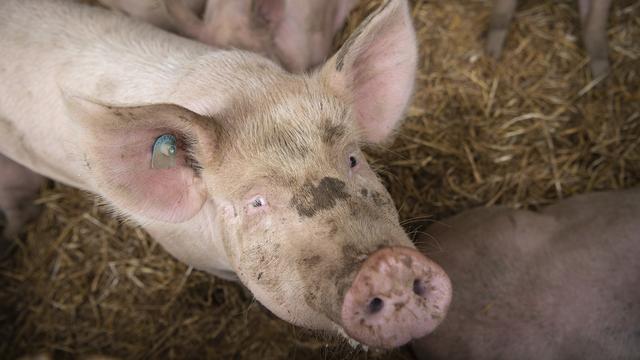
524,132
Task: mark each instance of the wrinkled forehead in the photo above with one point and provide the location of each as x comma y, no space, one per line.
295,128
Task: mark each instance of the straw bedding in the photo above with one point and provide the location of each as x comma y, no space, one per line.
523,132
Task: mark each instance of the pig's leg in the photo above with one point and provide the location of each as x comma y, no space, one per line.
593,15
19,187
499,25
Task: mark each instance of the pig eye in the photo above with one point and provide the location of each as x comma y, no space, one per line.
353,162
258,202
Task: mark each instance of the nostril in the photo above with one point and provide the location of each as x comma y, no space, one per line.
375,305
418,287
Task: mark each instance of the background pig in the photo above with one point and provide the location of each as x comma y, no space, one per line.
153,11
560,284
593,16
18,190
296,33
266,184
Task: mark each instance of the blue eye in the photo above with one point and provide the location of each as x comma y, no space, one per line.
353,161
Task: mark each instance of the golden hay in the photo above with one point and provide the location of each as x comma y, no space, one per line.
524,132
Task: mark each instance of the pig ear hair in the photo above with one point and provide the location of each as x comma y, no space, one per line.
118,144
375,69
269,13
186,21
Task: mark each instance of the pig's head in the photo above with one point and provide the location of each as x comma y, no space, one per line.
298,34
307,225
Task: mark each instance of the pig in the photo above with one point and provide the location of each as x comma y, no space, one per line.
562,283
299,34
234,165
19,188
593,16
153,11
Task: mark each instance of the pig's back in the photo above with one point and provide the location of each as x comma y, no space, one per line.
564,283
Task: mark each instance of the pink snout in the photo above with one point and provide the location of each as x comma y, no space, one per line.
397,295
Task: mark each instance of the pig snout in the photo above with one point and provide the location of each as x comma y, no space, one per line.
396,296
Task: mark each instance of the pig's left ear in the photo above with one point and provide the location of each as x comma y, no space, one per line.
375,69
119,143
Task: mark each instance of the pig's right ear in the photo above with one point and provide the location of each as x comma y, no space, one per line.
375,69
118,143
186,21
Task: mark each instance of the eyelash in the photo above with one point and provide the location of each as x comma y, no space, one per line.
353,162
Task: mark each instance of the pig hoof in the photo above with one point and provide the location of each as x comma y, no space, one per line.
397,295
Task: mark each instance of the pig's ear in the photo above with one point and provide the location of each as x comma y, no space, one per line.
375,69
269,13
184,18
118,144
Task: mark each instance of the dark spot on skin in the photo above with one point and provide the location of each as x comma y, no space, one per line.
358,208
310,297
332,133
398,306
352,258
364,192
407,261
350,252
311,261
353,211
87,164
333,228
310,199
259,276
378,199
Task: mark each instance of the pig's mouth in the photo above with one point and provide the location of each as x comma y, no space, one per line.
397,295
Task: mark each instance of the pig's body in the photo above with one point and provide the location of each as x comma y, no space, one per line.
152,11
265,181
560,284
18,189
298,34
